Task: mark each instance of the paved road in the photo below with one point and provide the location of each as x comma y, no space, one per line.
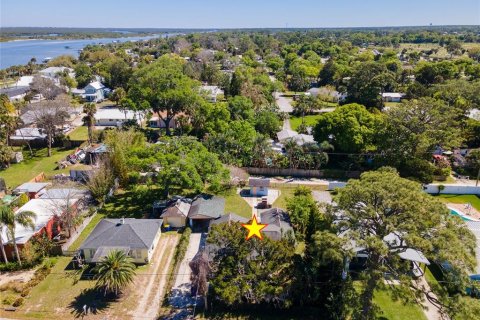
181,297
286,124
284,104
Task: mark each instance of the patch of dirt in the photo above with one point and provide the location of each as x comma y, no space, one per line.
16,276
149,288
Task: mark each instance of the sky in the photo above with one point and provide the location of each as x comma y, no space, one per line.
237,14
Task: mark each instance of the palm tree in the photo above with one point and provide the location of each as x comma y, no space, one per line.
90,109
114,272
10,219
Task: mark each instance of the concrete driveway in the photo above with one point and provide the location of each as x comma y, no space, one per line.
283,103
181,295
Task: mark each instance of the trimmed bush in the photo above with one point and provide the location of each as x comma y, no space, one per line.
18,302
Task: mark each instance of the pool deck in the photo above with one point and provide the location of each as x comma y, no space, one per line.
470,212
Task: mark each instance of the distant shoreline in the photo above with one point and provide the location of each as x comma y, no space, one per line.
86,37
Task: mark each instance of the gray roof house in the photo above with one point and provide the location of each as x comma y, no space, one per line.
229,218
278,223
204,209
136,237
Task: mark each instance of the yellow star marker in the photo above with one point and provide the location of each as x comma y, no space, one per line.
254,228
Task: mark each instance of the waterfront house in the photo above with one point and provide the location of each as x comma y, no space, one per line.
95,92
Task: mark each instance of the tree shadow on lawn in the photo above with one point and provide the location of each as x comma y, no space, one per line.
93,300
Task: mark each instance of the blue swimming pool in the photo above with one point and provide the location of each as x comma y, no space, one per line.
461,215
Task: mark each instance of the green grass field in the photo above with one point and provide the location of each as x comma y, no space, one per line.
22,172
287,190
235,204
396,310
79,134
461,199
310,121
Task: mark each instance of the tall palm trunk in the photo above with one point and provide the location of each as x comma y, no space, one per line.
4,255
17,253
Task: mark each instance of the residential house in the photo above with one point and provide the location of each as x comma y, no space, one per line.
278,223
392,96
157,122
204,209
258,187
229,218
114,117
64,193
135,237
95,92
32,189
332,95
212,92
46,221
15,93
54,72
176,214
300,139
415,257
34,137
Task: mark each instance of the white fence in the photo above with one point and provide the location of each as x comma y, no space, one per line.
451,189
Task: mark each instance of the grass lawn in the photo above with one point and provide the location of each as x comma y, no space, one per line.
461,198
135,203
19,173
395,310
287,190
310,121
235,204
56,294
79,134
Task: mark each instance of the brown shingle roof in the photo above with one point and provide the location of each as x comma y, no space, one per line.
258,182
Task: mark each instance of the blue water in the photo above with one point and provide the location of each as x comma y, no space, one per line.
20,52
461,216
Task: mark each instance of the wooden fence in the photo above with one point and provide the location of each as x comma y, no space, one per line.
301,173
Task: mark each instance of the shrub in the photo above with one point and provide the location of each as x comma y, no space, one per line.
8,300
18,302
25,292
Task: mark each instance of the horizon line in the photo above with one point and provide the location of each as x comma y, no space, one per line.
240,28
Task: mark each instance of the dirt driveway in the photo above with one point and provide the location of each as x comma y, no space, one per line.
149,287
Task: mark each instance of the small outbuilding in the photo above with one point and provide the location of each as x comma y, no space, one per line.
259,186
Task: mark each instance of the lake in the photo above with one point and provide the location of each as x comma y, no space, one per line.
20,52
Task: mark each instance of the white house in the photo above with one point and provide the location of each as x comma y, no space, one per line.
95,92
392,96
113,117
53,72
212,92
